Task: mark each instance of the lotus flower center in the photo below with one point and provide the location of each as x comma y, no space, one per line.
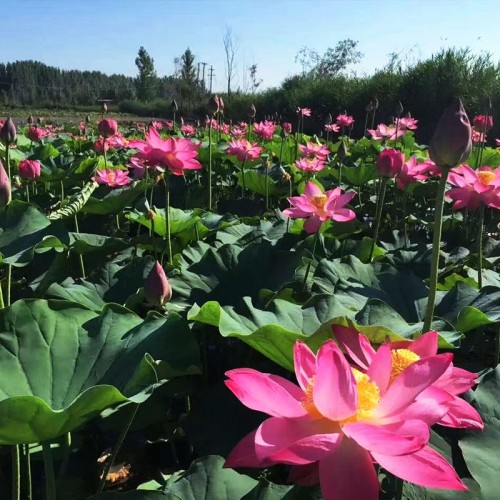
368,398
111,176
486,177
170,159
401,359
319,200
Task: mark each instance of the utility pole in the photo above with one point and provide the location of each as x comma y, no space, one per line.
211,75
198,74
204,64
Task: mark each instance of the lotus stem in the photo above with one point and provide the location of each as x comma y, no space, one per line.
267,166
480,226
26,471
82,266
116,449
436,243
398,489
378,213
167,216
66,454
16,473
48,465
28,193
210,165
9,282
308,269
2,303
243,185
7,159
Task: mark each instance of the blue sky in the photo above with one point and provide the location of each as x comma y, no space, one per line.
105,35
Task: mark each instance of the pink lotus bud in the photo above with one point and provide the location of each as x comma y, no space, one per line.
108,128
8,133
213,105
157,288
5,191
452,140
482,123
287,127
390,162
29,169
221,105
36,133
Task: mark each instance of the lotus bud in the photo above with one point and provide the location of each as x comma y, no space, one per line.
104,107
368,107
329,119
451,143
107,128
30,120
88,119
39,120
29,169
390,162
8,133
157,288
221,105
342,151
173,106
213,105
5,190
253,111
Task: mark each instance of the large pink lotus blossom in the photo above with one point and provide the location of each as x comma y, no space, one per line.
238,132
244,150
188,130
319,151
29,169
454,381
338,421
310,164
318,207
304,111
38,133
474,187
112,177
345,121
264,130
411,171
174,154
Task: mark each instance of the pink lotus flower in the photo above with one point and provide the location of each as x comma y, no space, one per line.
244,150
213,122
482,123
310,164
454,381
345,121
264,130
157,125
237,132
411,171
112,177
407,123
287,127
332,127
188,130
225,128
37,133
390,162
338,421
318,207
319,151
107,127
497,142
388,132
173,154
29,169
304,111
474,187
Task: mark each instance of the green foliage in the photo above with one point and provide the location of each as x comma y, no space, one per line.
146,79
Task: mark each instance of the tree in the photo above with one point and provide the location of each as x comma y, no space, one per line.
253,77
146,80
230,48
307,58
188,71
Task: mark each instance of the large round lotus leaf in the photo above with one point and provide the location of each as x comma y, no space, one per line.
61,364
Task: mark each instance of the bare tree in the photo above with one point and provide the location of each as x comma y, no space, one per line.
230,48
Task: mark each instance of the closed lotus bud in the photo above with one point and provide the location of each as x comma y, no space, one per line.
88,119
342,152
157,288
375,103
173,106
30,120
253,111
213,105
107,128
390,162
329,119
399,109
29,169
104,107
5,190
452,140
221,105
8,133
39,120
